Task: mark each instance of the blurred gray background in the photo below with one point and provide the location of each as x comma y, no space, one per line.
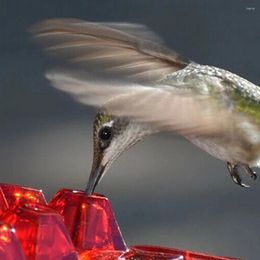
164,191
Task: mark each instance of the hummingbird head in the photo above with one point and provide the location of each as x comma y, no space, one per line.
112,135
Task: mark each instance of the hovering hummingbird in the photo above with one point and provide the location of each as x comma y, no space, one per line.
141,87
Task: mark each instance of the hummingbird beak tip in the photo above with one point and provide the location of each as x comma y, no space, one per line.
94,178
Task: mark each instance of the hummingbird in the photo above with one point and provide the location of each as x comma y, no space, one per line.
141,87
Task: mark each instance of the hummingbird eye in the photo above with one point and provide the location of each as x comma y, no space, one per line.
105,133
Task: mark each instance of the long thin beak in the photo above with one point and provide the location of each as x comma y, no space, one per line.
94,178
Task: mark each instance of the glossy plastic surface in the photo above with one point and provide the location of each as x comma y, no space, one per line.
73,226
41,232
12,195
90,220
10,248
101,254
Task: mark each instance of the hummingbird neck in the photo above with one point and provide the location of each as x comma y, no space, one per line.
141,130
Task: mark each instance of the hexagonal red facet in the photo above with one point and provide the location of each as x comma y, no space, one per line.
10,248
13,195
90,220
41,232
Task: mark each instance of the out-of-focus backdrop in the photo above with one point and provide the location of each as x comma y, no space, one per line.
164,190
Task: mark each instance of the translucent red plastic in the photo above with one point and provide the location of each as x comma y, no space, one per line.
10,248
73,226
90,220
101,254
3,202
41,232
13,195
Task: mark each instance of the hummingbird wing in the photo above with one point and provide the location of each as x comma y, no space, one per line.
109,50
124,66
163,107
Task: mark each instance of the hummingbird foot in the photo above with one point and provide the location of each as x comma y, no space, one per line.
250,172
235,174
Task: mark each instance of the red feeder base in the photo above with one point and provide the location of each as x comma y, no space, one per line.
163,253
73,226
102,254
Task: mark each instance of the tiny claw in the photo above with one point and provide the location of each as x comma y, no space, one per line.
249,171
234,173
237,180
244,185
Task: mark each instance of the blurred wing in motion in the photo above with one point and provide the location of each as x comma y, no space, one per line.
131,63
121,50
165,108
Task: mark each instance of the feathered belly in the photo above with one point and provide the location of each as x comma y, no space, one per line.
240,146
215,148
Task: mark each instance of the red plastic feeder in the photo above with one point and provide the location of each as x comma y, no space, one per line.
73,226
10,248
163,253
41,232
90,220
13,195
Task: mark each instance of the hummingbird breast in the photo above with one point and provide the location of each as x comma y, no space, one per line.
240,146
